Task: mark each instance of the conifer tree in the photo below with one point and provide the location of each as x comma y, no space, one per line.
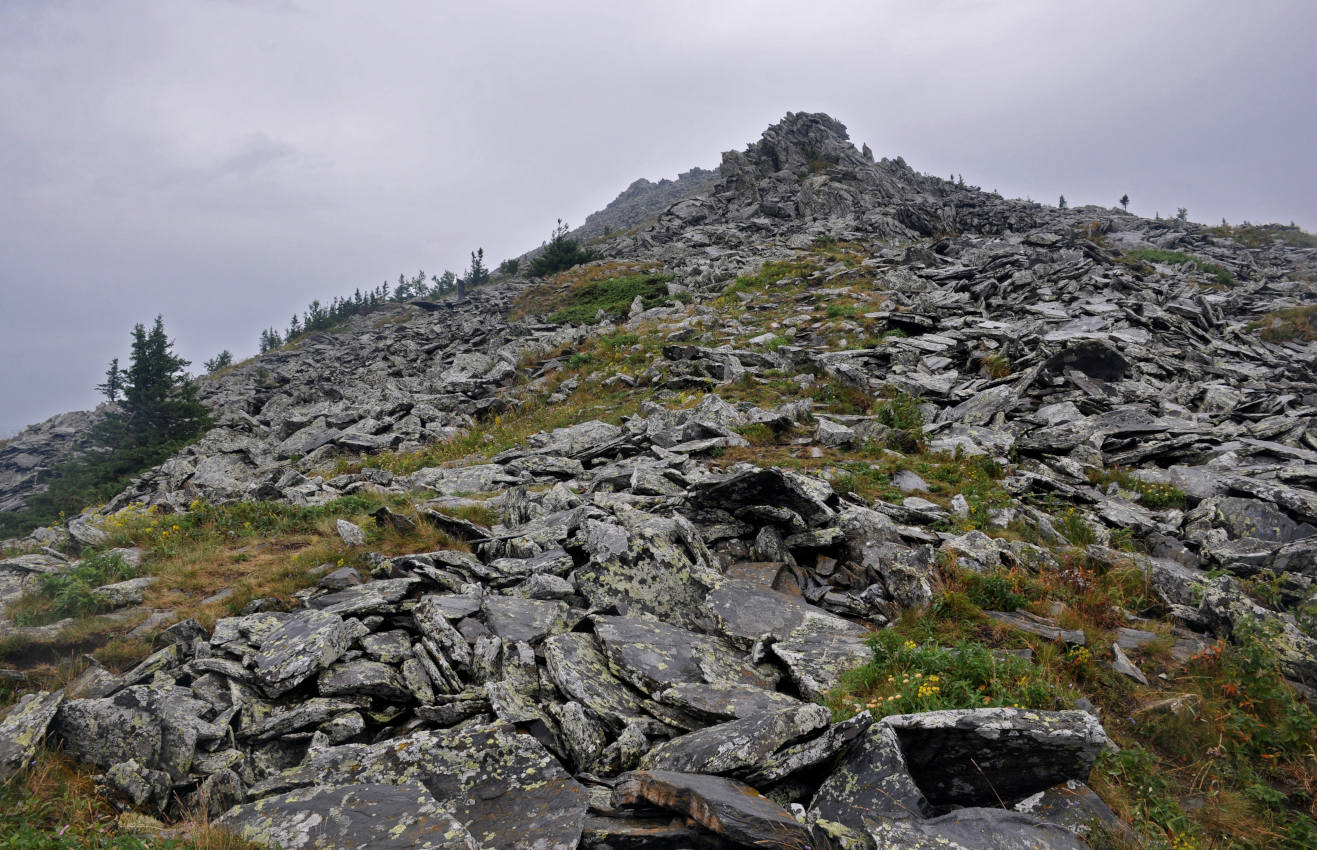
1062,204
1125,202
113,382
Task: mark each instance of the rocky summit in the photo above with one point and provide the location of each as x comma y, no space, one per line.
791,547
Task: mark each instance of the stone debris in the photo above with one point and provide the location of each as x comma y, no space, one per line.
630,651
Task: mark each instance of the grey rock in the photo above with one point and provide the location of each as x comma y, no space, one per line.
652,656
974,829
737,747
301,645
729,809
24,728
981,756
359,816
350,533
503,787
514,619
872,781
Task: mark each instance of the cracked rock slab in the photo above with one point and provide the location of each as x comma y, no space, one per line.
504,787
365,816
725,807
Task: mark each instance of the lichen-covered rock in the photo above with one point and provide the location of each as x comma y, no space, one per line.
652,655
737,747
973,829
651,564
724,700
501,785
23,729
872,781
107,731
360,816
515,619
578,667
301,645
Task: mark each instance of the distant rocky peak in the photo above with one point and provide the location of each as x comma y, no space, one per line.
801,143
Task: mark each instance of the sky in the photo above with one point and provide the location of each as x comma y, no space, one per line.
223,162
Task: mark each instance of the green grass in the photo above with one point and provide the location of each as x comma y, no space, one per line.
1292,324
907,676
1151,495
1220,274
1262,235
70,594
613,296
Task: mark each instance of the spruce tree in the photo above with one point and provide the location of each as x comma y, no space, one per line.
1125,202
160,405
113,382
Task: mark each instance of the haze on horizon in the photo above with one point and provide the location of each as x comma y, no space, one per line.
223,162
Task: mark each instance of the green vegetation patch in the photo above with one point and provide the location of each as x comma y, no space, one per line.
908,676
1262,235
1151,495
1220,274
70,594
1293,324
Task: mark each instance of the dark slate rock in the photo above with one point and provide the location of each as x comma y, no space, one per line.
1074,806
654,565
503,786
809,497
974,829
872,782
724,700
301,716
983,756
516,619
1040,626
184,632
579,669
819,650
810,753
738,746
731,810
363,816
649,833
363,676
300,646
652,655
104,732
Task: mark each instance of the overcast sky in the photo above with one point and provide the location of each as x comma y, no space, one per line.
223,163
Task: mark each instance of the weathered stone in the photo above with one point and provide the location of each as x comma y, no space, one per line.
362,677
502,786
872,781
514,619
141,785
980,756
23,729
727,808
359,816
974,829
299,646
579,669
652,656
737,747
724,700
350,533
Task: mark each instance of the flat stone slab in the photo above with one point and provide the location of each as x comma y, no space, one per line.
872,781
653,656
364,816
975,829
982,756
725,807
515,619
724,700
301,645
820,650
579,669
738,746
504,787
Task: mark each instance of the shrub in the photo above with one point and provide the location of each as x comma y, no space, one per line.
560,254
613,296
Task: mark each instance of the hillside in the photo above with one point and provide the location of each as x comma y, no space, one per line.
835,505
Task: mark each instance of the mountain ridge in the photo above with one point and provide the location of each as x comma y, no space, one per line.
822,399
